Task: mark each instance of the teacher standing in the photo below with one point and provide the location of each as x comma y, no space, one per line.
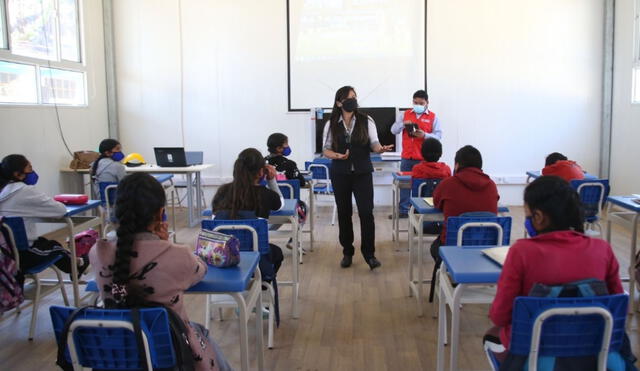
349,138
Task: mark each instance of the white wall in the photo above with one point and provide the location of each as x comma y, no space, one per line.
33,130
625,152
517,79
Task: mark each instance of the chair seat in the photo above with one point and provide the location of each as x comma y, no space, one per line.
323,188
41,267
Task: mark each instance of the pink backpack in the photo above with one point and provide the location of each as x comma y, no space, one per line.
11,279
84,241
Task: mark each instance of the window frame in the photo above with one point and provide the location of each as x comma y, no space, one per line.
7,56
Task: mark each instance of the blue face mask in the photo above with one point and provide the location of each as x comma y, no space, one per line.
31,178
528,225
164,215
419,109
286,151
117,156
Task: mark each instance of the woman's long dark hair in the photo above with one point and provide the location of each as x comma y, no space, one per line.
105,145
10,165
139,198
241,194
360,133
554,197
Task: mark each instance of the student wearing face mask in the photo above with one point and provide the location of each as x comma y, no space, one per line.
416,125
349,138
557,253
279,150
108,168
19,197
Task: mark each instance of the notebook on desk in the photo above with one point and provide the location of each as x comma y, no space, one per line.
428,201
497,254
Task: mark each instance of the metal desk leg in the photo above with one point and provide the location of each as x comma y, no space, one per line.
441,329
455,326
312,215
420,295
259,330
199,193
244,332
394,211
190,220
411,253
74,266
295,269
632,278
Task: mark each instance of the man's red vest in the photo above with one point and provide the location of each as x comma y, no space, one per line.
411,146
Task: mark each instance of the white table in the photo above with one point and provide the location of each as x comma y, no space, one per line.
191,172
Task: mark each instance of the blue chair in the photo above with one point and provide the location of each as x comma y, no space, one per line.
544,328
593,193
422,187
253,235
15,228
104,339
108,195
473,229
290,189
320,169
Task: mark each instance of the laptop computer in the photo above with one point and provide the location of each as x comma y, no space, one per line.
176,157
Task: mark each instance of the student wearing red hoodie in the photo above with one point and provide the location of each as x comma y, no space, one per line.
469,189
557,253
430,168
557,164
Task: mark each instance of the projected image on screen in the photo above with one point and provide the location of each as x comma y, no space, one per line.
377,46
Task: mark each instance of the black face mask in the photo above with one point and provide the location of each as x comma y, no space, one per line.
350,104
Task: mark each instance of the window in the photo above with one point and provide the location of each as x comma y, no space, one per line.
18,83
42,58
61,86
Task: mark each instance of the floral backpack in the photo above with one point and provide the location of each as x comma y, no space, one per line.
11,279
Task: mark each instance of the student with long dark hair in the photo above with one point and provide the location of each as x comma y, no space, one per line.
143,266
19,197
107,168
558,252
349,138
245,194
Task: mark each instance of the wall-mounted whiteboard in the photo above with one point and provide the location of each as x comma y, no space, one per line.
376,46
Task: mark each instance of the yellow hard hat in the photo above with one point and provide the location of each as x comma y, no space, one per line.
134,159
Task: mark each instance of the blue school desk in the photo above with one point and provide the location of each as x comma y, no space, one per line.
467,267
623,211
233,281
419,213
535,174
74,225
289,215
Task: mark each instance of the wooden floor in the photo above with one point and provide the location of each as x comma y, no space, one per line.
350,319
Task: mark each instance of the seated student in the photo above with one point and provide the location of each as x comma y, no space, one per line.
557,253
142,266
430,168
245,193
108,168
469,189
278,146
19,197
557,164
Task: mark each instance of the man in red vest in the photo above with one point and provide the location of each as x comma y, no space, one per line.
415,124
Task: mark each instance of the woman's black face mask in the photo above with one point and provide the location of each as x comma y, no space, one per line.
350,104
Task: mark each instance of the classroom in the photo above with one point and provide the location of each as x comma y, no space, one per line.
319,184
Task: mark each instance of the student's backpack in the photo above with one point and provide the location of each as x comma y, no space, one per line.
11,278
584,288
185,360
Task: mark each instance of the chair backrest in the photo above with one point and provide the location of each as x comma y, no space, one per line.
104,338
18,231
319,168
290,188
478,228
593,193
568,327
252,233
421,187
108,193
